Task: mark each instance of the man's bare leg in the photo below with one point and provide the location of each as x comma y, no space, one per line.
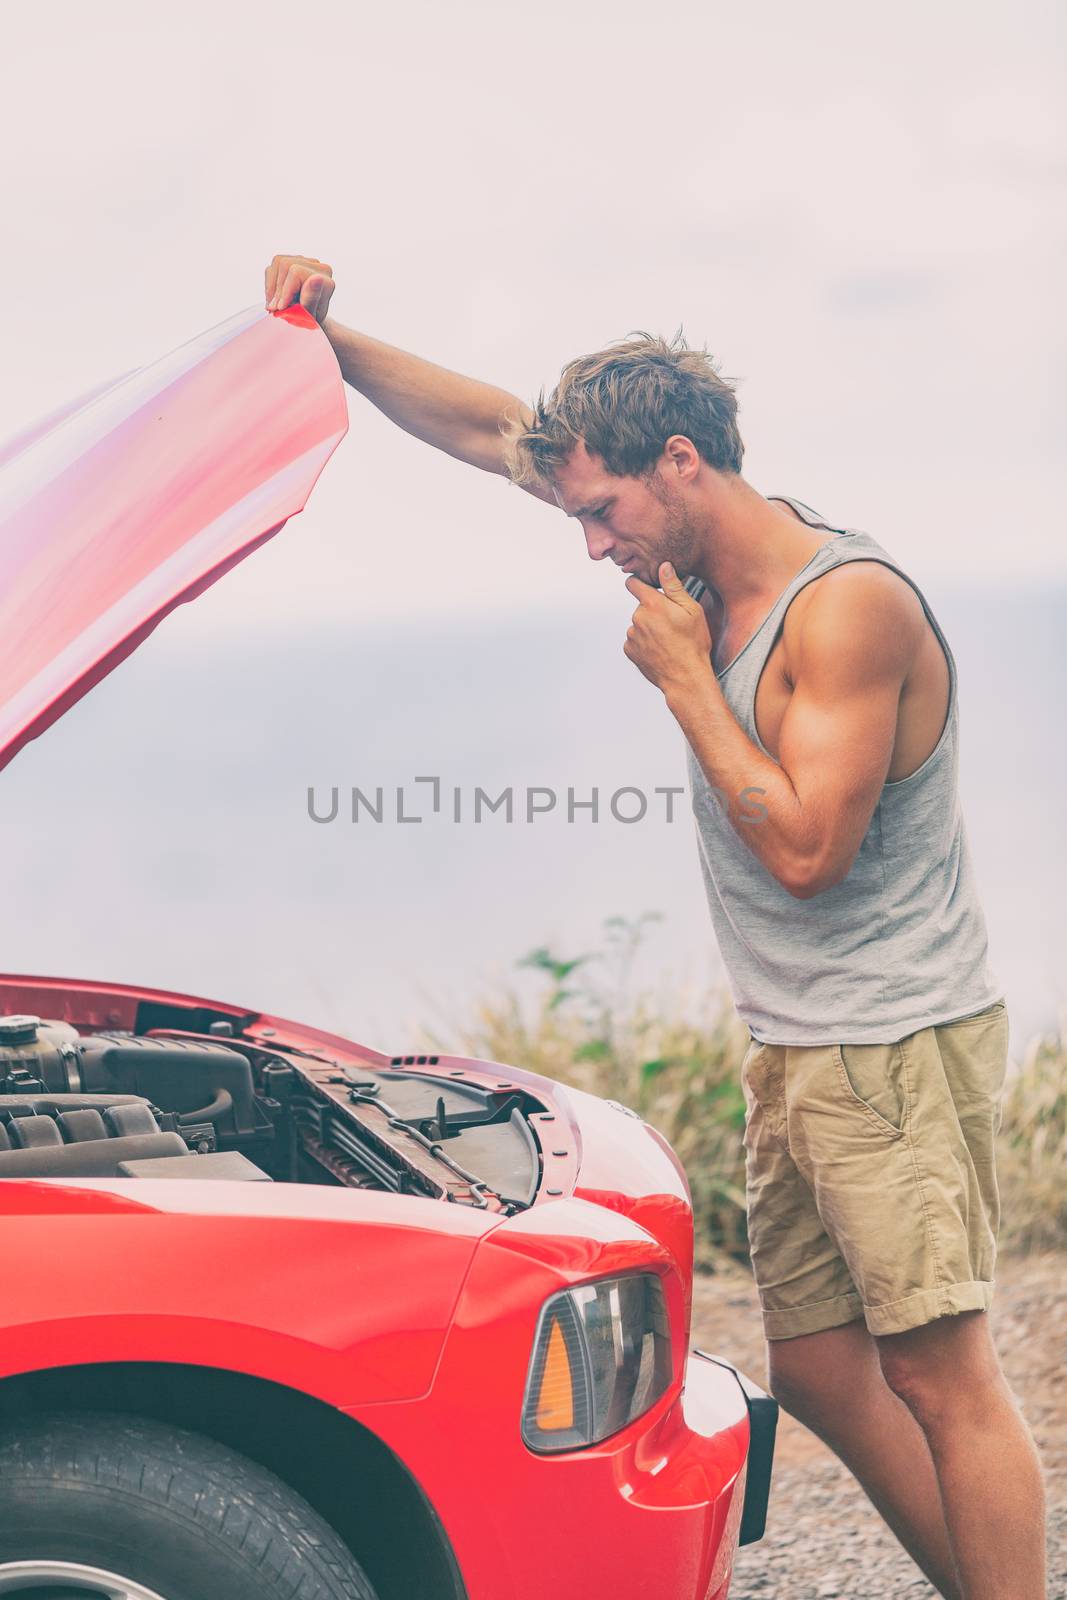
832,1382
992,1488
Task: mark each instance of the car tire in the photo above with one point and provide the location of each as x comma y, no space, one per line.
169,1511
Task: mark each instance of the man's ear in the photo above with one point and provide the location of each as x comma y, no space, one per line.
682,456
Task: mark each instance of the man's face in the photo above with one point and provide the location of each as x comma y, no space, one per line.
635,522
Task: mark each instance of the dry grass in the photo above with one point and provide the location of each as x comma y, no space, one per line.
676,1059
1032,1152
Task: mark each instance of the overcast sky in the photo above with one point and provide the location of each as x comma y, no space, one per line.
858,209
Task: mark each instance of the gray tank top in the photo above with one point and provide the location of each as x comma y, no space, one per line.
899,944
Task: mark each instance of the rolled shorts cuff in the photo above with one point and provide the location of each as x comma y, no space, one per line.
897,1316
813,1318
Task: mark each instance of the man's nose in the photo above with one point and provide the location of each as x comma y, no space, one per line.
598,543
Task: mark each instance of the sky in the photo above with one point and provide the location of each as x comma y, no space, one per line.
859,213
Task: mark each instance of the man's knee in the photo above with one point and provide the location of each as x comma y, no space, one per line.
913,1383
811,1375
794,1391
941,1367
786,1373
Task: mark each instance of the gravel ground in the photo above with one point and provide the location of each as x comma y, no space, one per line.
824,1540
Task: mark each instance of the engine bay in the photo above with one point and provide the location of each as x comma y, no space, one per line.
168,1102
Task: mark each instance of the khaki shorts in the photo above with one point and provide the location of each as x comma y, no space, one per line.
870,1176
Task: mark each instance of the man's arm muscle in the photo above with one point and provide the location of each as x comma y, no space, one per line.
852,654
849,654
459,415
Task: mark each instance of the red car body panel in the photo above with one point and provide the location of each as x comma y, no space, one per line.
301,1291
666,1488
140,495
413,1318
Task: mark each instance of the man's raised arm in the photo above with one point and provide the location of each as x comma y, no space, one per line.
458,415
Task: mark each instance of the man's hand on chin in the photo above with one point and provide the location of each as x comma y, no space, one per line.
668,639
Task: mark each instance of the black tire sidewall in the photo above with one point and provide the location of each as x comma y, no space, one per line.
231,1531
140,1542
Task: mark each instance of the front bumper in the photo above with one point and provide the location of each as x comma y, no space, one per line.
762,1427
654,1511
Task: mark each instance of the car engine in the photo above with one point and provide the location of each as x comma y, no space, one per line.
166,1103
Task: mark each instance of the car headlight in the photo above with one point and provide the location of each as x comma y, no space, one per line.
602,1357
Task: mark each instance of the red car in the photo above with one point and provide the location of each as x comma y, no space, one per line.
284,1318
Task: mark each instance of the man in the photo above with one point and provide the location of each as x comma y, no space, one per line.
817,697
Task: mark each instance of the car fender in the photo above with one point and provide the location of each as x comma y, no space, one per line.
344,1294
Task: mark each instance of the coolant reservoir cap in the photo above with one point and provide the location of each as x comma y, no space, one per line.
19,1029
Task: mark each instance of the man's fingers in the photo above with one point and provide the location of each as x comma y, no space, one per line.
310,290
279,267
639,590
290,289
288,275
276,274
299,278
315,294
310,285
671,586
669,580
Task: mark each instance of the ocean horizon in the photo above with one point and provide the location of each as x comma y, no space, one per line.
160,833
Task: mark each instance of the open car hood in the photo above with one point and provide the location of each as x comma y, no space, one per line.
140,494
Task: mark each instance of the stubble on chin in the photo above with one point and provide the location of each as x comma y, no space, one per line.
679,542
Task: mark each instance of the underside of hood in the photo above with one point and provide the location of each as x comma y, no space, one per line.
139,495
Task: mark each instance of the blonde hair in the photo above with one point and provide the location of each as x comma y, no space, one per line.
624,403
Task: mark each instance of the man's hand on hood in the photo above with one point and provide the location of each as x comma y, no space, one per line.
292,280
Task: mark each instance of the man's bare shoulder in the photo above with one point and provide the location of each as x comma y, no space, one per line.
860,610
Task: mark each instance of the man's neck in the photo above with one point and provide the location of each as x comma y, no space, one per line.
753,546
